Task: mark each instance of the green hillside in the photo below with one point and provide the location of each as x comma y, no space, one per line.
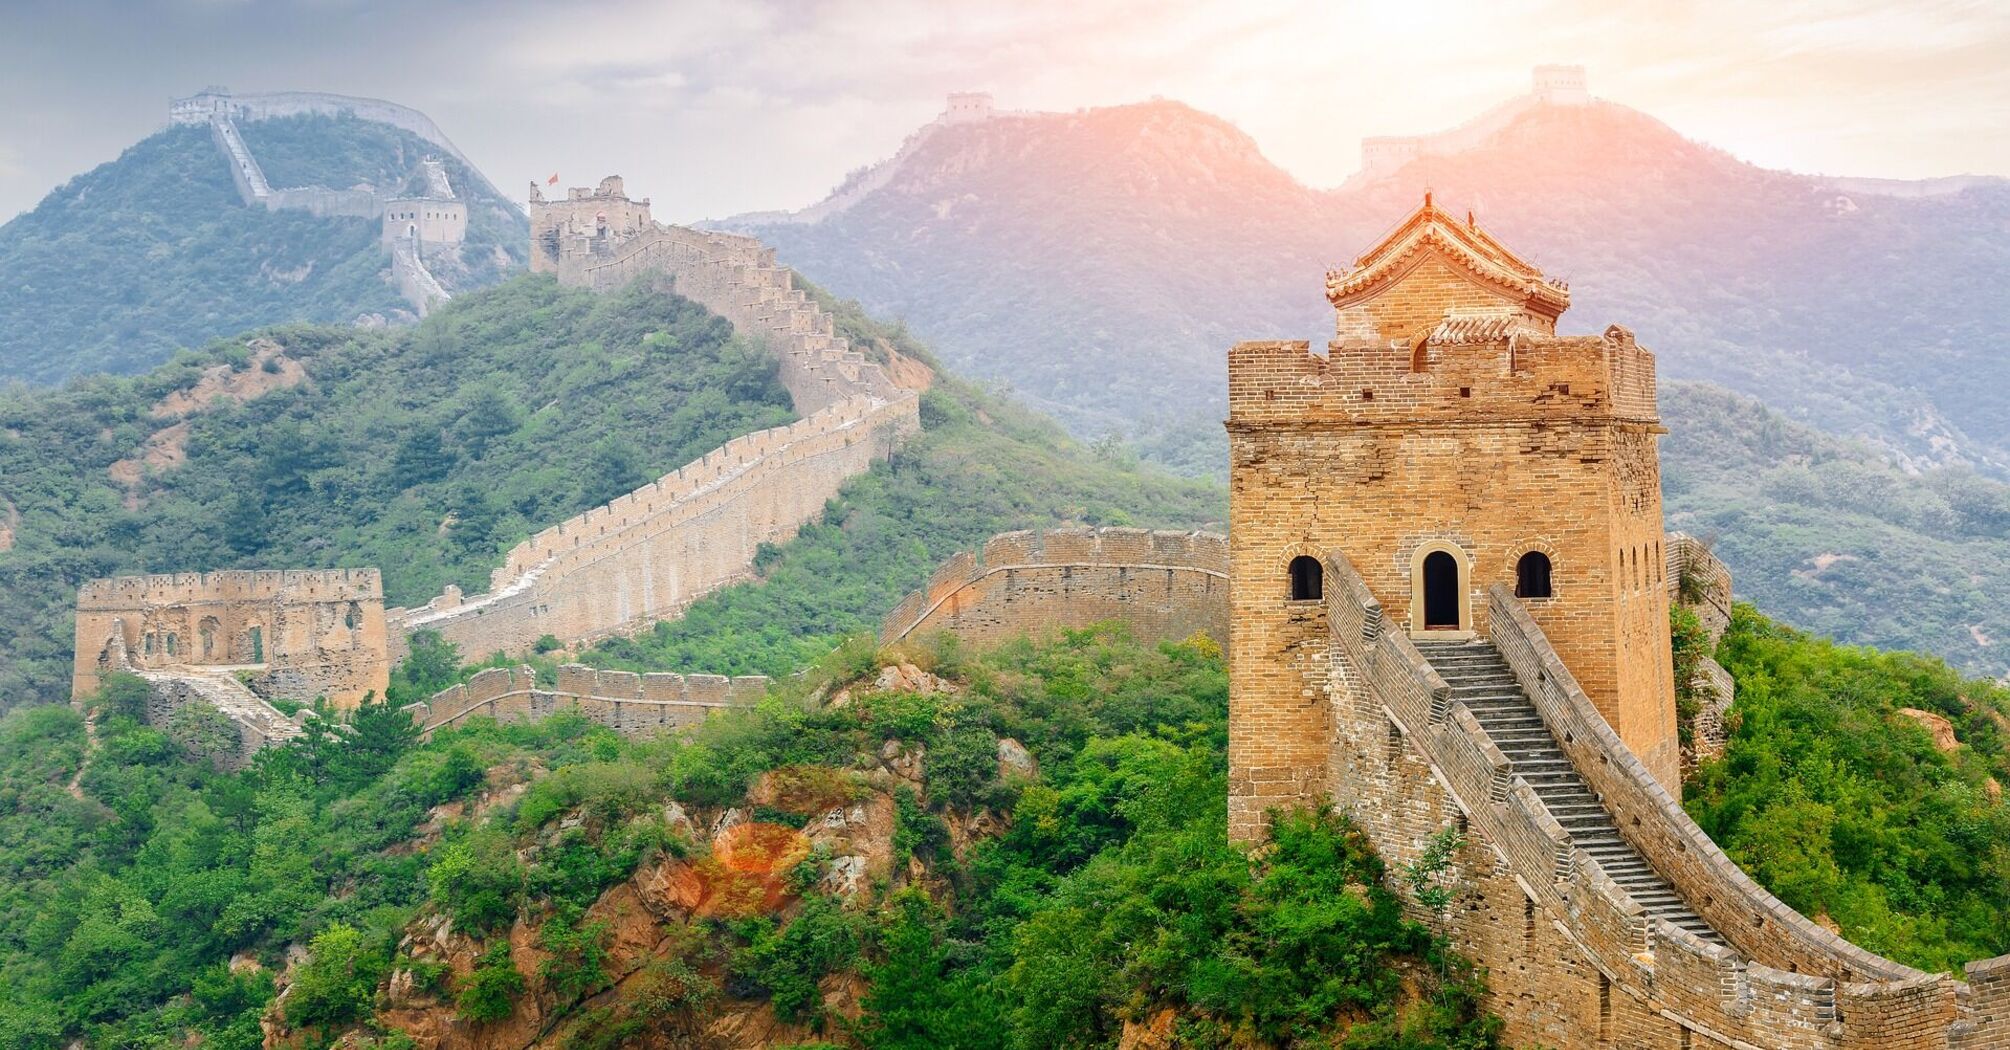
123,265
1845,807
1825,534
1097,890
429,451
424,451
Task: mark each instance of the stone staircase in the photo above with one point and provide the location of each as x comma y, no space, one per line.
1480,678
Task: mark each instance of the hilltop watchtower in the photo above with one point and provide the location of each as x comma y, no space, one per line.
1448,441
564,233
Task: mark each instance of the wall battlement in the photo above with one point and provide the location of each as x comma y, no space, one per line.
1543,915
629,703
647,554
1163,585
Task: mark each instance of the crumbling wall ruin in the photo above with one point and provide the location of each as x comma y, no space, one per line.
300,634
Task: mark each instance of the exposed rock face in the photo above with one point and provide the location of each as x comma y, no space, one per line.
1941,729
1014,761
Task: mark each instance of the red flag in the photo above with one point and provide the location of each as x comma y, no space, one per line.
553,181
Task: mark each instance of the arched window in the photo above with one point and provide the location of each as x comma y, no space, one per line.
1531,576
1420,358
1308,579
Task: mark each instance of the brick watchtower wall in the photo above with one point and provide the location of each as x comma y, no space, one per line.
305,633
1448,425
1448,419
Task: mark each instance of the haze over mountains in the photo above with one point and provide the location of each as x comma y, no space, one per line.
1101,262
157,251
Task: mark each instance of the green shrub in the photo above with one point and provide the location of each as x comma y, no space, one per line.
489,993
338,981
478,880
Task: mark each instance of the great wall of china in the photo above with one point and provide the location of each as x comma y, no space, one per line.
408,242
648,554
628,703
1162,585
615,568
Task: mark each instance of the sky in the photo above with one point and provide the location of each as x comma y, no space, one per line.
715,107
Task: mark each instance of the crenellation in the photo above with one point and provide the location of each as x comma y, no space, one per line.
1448,424
1162,585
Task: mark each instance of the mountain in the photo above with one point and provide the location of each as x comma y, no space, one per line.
1099,264
161,249
1827,534
429,450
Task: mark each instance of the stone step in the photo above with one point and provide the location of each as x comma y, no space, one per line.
1481,679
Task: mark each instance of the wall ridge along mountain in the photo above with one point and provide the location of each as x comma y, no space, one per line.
648,554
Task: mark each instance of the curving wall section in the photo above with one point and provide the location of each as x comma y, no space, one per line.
1164,585
628,703
648,554
1574,960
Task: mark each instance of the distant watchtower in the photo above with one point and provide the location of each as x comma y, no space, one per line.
585,223
1448,441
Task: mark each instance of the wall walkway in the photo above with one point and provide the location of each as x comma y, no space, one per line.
1575,960
648,554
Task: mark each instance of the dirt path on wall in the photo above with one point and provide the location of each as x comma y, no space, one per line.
76,785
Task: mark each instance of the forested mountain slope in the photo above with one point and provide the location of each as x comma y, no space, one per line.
1103,261
154,251
1824,533
428,451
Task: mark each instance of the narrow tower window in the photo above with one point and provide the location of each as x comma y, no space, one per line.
1420,358
1531,576
1308,579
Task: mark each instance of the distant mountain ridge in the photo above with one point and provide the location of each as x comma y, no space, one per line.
1100,263
182,239
1144,239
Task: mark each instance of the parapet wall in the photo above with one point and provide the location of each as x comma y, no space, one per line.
1163,585
1518,378
1573,959
629,703
650,553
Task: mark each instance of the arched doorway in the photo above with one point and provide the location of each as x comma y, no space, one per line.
1440,589
1441,592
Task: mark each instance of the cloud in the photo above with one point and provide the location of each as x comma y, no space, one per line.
729,105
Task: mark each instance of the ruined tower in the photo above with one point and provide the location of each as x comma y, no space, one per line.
1450,440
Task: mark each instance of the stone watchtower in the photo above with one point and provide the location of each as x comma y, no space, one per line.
1450,440
585,223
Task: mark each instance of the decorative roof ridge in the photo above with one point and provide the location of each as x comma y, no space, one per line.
1473,248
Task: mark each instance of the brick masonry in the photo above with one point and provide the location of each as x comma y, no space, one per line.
650,553
1162,585
631,704
1448,416
302,634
